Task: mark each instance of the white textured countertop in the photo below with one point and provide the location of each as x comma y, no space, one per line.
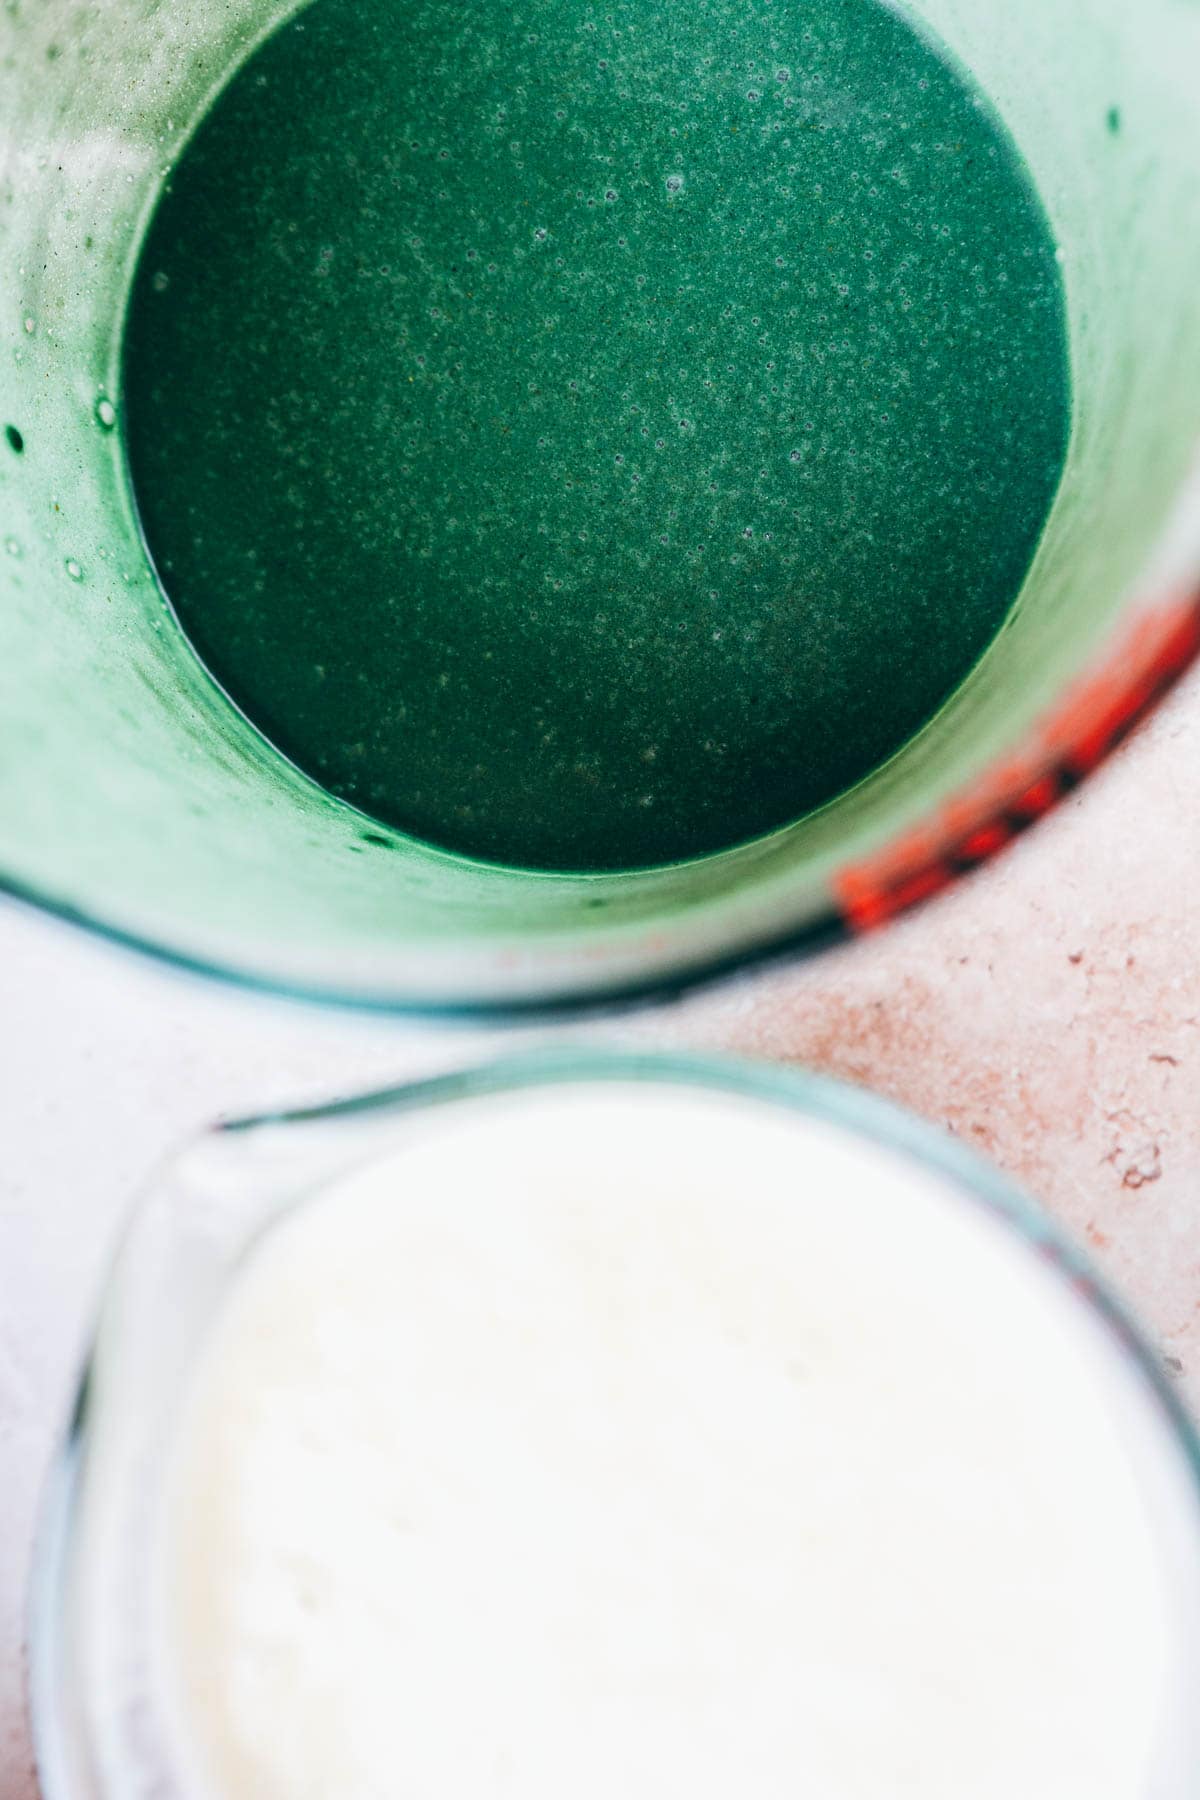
1048,1012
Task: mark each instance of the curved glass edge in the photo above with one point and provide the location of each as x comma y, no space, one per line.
1093,722
836,1103
840,1103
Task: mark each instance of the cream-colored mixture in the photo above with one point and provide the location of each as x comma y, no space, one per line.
616,1442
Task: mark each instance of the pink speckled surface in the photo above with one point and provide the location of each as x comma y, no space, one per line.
1047,1011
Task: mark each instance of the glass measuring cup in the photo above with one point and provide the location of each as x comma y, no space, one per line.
136,798
102,1726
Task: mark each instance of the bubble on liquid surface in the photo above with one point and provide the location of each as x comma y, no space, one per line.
74,569
12,547
161,282
106,414
673,184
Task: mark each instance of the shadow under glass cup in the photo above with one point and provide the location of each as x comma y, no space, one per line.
138,799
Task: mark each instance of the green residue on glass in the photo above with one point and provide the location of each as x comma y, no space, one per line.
587,439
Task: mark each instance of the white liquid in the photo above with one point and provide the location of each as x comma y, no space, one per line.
616,1442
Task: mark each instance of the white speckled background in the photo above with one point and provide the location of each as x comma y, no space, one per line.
1048,1012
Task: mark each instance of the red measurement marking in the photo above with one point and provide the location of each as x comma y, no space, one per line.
969,829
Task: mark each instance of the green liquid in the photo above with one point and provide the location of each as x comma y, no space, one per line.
586,438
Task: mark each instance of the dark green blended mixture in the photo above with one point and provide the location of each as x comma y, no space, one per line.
588,435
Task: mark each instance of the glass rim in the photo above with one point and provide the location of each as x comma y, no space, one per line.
1094,719
855,1109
